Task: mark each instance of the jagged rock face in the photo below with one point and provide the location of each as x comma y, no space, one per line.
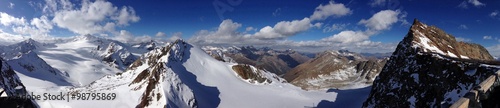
429,69
335,69
11,85
9,80
117,56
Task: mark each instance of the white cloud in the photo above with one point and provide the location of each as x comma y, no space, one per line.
476,3
494,13
11,5
8,39
331,9
175,36
462,26
160,34
465,4
374,3
52,6
42,23
92,17
249,29
127,14
348,37
37,28
7,20
284,29
124,36
487,37
226,33
381,20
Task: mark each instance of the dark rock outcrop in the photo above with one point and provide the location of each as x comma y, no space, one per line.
429,68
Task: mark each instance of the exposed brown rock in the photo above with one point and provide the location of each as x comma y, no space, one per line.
418,75
326,64
246,72
447,43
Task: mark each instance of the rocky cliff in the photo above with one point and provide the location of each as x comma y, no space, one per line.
429,68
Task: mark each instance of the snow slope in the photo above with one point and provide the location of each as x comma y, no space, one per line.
36,73
181,75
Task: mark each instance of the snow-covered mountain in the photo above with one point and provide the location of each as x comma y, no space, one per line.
35,72
429,68
278,62
336,69
78,60
182,75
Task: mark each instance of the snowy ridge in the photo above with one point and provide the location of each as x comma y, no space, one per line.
181,75
36,73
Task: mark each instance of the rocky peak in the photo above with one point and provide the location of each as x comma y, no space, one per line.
430,39
429,68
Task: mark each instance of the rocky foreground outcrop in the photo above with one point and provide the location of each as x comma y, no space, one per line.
429,68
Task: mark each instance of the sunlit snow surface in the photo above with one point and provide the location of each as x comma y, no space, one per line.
76,58
198,75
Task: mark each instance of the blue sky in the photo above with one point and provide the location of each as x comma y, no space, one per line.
344,24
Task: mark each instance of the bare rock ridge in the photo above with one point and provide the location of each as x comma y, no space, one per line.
335,69
429,68
443,43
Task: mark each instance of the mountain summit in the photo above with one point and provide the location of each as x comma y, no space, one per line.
429,68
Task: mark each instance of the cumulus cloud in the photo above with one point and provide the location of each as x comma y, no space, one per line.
284,29
175,36
465,4
275,37
124,36
92,17
374,3
7,20
11,5
348,37
494,13
37,28
487,37
249,29
381,20
160,34
225,33
331,9
476,3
